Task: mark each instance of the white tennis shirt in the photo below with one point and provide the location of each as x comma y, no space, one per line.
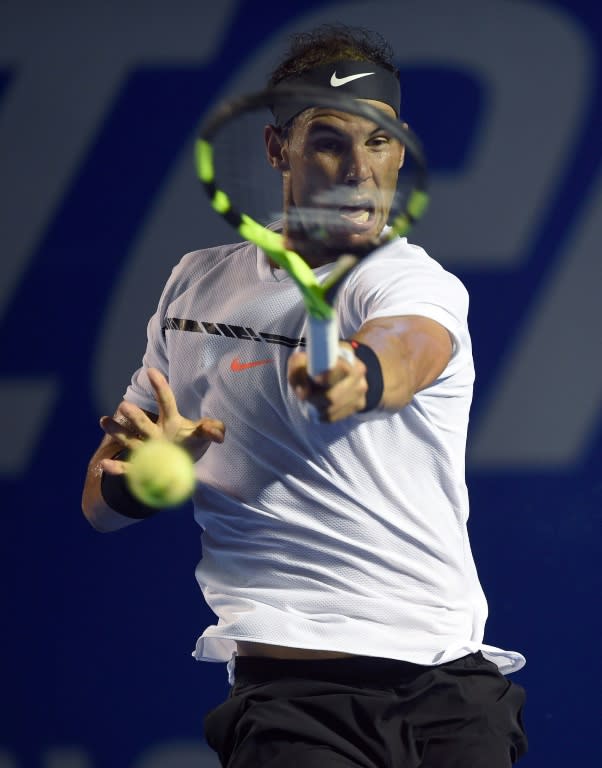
349,536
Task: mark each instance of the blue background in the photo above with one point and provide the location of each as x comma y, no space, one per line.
99,202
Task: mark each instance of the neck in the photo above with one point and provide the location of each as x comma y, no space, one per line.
315,252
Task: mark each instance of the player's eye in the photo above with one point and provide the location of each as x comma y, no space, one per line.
328,144
382,140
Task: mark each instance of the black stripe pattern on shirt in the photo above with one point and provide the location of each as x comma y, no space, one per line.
229,331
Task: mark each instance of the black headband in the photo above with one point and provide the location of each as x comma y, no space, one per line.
360,79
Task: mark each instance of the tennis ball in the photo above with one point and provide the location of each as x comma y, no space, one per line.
161,474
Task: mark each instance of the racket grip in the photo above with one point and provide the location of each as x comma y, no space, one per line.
322,344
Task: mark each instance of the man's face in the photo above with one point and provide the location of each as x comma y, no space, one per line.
342,175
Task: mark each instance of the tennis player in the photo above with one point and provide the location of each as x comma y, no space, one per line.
335,552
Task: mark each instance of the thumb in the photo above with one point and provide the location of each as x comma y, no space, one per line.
211,429
113,466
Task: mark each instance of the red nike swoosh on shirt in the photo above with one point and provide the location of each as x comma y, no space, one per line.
236,365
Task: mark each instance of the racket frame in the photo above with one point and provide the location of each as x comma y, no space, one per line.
318,296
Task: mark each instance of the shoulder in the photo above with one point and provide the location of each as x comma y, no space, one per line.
402,279
195,266
403,258
404,272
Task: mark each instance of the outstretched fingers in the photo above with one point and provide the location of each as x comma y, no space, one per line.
168,408
129,426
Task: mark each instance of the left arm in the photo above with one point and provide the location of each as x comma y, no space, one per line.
411,350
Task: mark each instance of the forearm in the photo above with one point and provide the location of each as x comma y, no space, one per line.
411,351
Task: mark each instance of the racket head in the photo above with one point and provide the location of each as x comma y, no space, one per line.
225,190
231,156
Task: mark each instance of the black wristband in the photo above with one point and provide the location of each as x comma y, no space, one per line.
374,374
115,492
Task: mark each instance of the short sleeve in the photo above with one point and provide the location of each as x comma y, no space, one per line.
401,279
139,390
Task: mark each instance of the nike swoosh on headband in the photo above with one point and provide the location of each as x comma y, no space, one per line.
336,82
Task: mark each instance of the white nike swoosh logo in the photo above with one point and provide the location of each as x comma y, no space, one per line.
336,82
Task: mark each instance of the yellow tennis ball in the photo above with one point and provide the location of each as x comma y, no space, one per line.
161,474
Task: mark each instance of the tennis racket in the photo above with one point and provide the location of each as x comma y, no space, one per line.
231,163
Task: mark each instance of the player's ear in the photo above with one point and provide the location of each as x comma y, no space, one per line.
403,151
276,148
401,158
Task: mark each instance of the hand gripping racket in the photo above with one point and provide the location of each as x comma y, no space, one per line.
225,140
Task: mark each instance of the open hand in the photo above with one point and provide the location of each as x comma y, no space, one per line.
130,426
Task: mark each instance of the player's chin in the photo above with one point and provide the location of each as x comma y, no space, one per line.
354,235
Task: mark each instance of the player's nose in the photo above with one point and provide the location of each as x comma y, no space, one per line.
357,167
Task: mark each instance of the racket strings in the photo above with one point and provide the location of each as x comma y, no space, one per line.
253,186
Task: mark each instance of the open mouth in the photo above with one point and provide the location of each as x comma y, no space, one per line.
334,212
359,216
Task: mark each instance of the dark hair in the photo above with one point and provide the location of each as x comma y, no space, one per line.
332,42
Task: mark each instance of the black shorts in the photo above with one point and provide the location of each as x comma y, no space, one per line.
364,712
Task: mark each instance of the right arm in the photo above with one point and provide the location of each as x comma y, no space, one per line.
127,429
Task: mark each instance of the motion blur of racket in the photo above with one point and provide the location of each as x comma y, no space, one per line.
242,186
